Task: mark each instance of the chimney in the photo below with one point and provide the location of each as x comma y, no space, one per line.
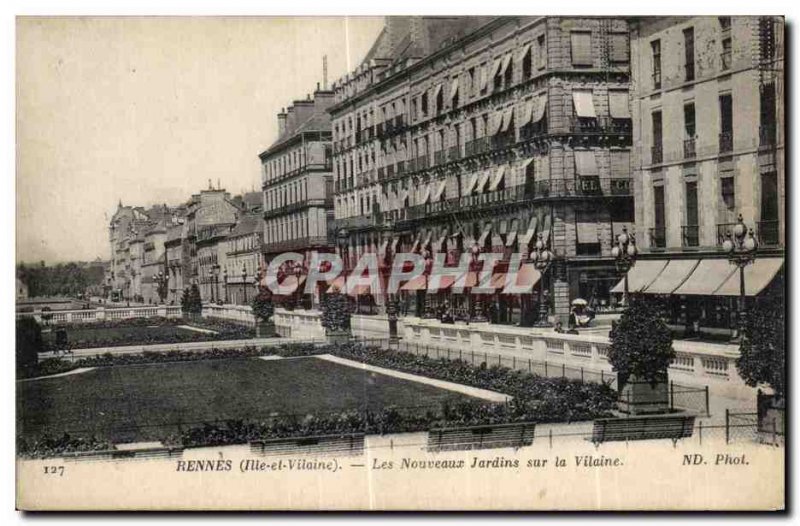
303,109
282,122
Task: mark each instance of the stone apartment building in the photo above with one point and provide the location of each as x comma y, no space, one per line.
456,132
154,258
243,248
177,255
297,181
709,134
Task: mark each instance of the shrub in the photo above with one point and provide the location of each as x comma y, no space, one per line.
762,357
336,312
29,343
641,344
263,309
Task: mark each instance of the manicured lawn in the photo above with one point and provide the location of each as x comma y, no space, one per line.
147,402
79,336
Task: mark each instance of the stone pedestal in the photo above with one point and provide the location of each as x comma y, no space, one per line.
337,336
265,329
639,397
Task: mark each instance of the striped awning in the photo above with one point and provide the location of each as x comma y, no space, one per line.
707,277
642,274
757,276
527,278
672,277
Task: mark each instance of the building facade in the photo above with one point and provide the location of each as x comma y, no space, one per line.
297,181
709,128
243,249
462,132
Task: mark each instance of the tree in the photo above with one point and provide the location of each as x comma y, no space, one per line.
191,303
641,344
29,342
762,353
263,309
336,312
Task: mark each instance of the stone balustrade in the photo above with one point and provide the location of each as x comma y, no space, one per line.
68,317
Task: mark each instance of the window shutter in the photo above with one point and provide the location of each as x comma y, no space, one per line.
581,48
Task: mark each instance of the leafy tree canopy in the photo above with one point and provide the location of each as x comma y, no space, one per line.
762,358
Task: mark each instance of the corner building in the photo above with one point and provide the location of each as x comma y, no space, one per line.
462,131
709,129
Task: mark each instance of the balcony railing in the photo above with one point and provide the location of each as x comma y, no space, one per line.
767,233
423,162
584,125
439,157
726,142
582,187
476,146
295,244
401,167
689,151
656,154
454,153
723,229
767,135
390,171
658,237
503,140
690,235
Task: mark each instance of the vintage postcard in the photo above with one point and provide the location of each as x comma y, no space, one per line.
401,263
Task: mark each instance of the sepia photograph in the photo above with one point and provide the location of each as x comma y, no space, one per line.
402,262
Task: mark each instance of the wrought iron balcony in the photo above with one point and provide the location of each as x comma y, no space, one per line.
689,149
767,233
454,153
439,157
767,135
401,167
423,162
690,235
657,79
658,237
390,171
726,142
476,146
656,154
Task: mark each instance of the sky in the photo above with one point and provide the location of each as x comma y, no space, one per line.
147,110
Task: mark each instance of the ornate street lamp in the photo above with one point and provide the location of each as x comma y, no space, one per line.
244,282
225,279
162,281
541,258
392,310
427,311
211,283
741,248
475,251
625,253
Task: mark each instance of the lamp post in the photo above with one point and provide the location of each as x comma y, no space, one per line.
225,280
541,257
475,250
216,281
427,311
244,282
162,281
297,270
392,309
741,248
625,253
211,283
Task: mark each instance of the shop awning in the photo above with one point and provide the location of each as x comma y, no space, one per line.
496,123
525,49
584,105
360,290
525,111
483,180
436,91
498,280
487,229
495,67
618,105
539,108
506,62
642,274
508,116
418,283
453,88
586,163
546,225
707,277
672,276
440,243
523,169
426,243
337,285
512,237
426,195
471,184
527,278
525,239
757,276
439,192
498,177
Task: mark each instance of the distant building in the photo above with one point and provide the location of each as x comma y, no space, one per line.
297,183
243,247
709,128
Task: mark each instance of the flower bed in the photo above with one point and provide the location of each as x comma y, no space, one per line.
46,447
535,398
146,331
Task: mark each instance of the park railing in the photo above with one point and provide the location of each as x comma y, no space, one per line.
79,316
